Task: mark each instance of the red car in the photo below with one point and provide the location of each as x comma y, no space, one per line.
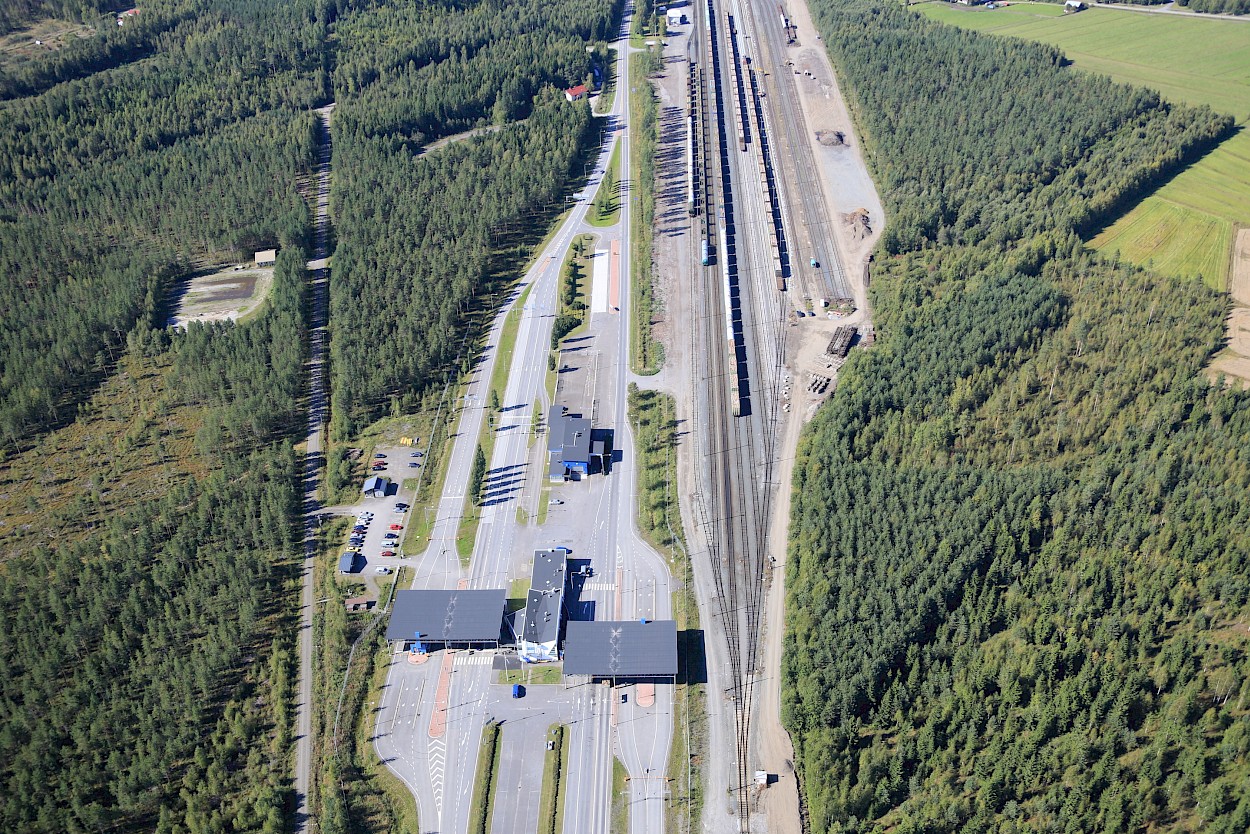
388,554
397,526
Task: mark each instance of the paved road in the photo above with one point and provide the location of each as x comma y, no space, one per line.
312,469
631,580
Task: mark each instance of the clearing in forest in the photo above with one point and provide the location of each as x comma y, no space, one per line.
224,295
1182,226
38,39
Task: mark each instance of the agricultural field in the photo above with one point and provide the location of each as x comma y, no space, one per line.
1185,228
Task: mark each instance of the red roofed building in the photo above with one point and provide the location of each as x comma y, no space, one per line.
575,93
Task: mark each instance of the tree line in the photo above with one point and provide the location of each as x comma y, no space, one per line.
115,185
147,683
418,234
1019,543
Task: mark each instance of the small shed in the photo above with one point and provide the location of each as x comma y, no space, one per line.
675,17
267,257
347,563
1071,6
357,604
576,93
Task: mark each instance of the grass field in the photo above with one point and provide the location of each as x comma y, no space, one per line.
1186,227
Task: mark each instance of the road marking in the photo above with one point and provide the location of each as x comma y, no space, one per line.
475,660
600,586
438,759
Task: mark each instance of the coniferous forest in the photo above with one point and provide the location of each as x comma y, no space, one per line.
147,625
1018,582
420,228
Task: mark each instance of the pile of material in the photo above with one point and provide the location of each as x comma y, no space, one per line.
858,222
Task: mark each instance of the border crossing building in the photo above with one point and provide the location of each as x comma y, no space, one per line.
621,651
538,636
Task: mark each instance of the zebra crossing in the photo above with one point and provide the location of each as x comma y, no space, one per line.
474,660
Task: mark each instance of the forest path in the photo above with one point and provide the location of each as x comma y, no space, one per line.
312,468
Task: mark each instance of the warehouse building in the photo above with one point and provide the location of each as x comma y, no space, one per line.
545,611
432,620
622,651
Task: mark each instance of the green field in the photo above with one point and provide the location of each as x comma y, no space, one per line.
1186,227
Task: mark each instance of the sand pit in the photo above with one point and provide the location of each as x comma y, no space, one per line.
224,295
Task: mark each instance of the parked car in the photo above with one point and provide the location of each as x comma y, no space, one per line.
399,508
387,554
555,501
390,537
355,548
414,464
382,570
397,526
378,455
416,454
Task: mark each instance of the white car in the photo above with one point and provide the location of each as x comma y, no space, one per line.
382,570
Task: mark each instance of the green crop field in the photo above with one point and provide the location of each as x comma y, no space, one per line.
1186,227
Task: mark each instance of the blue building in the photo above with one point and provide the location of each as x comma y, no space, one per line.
568,447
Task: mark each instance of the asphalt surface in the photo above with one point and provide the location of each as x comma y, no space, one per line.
596,521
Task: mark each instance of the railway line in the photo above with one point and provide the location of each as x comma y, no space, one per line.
739,340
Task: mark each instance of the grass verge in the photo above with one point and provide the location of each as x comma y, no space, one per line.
620,798
653,419
652,416
547,674
484,783
606,209
603,104
550,805
646,354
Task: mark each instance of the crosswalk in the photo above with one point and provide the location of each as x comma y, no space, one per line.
600,586
474,659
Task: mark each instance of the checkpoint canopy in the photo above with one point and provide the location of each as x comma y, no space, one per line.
449,617
621,649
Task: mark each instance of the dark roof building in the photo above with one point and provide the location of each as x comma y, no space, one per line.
568,446
544,608
376,486
622,649
347,563
452,617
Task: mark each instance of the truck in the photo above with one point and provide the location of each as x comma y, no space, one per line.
517,690
706,255
813,263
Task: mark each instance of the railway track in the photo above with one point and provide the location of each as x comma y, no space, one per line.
740,317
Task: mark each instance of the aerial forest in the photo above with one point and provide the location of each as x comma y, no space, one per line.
1018,595
419,231
150,485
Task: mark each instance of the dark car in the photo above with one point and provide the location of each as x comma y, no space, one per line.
378,455
414,464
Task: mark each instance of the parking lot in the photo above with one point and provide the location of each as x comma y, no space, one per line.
397,467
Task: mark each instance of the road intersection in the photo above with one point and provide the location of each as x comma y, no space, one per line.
595,521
